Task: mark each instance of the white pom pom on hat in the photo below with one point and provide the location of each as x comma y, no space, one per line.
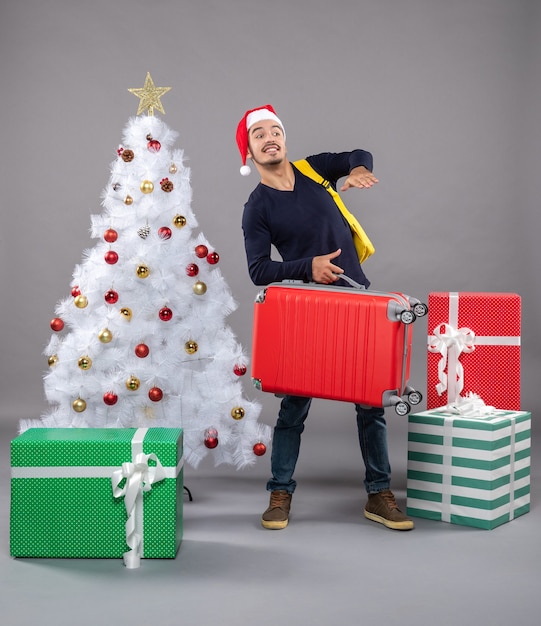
252,116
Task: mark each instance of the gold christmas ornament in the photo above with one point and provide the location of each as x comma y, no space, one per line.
85,363
126,313
142,271
172,168
133,383
149,96
105,335
128,200
191,347
147,186
81,302
199,288
52,360
79,405
179,221
237,413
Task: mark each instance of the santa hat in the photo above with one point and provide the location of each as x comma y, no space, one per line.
249,119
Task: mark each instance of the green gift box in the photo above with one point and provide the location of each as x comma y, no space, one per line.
97,493
473,471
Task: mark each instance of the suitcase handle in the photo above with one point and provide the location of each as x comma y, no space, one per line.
350,281
353,283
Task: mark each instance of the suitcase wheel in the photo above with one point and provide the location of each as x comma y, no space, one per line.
407,316
402,408
420,309
415,397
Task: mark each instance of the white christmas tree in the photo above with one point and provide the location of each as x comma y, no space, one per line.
142,340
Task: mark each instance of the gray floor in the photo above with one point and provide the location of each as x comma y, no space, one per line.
330,566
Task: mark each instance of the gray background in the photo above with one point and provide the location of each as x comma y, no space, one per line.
447,97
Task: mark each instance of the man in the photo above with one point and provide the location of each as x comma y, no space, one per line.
297,216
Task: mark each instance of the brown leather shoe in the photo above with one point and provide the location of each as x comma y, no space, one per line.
382,508
276,516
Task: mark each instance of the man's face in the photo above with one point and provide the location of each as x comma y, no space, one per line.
266,143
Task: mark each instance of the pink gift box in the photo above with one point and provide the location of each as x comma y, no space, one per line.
474,346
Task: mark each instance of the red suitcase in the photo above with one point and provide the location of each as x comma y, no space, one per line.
335,342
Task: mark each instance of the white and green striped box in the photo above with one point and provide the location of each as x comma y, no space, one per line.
473,471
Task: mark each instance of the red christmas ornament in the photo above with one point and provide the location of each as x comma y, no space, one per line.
192,269
211,442
201,251
213,258
154,145
75,291
142,350
165,314
111,257
164,232
57,324
259,449
111,296
211,438
239,370
110,235
110,398
155,394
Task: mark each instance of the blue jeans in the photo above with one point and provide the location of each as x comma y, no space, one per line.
287,441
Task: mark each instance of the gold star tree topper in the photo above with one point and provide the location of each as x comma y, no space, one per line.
149,96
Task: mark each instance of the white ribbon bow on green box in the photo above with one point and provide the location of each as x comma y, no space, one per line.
139,477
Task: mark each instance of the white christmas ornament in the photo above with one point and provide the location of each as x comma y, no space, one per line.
139,290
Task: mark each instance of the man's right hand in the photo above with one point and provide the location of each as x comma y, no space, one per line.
323,270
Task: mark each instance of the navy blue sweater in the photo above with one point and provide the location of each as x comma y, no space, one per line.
301,224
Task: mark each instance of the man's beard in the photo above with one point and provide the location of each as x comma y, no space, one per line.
277,160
